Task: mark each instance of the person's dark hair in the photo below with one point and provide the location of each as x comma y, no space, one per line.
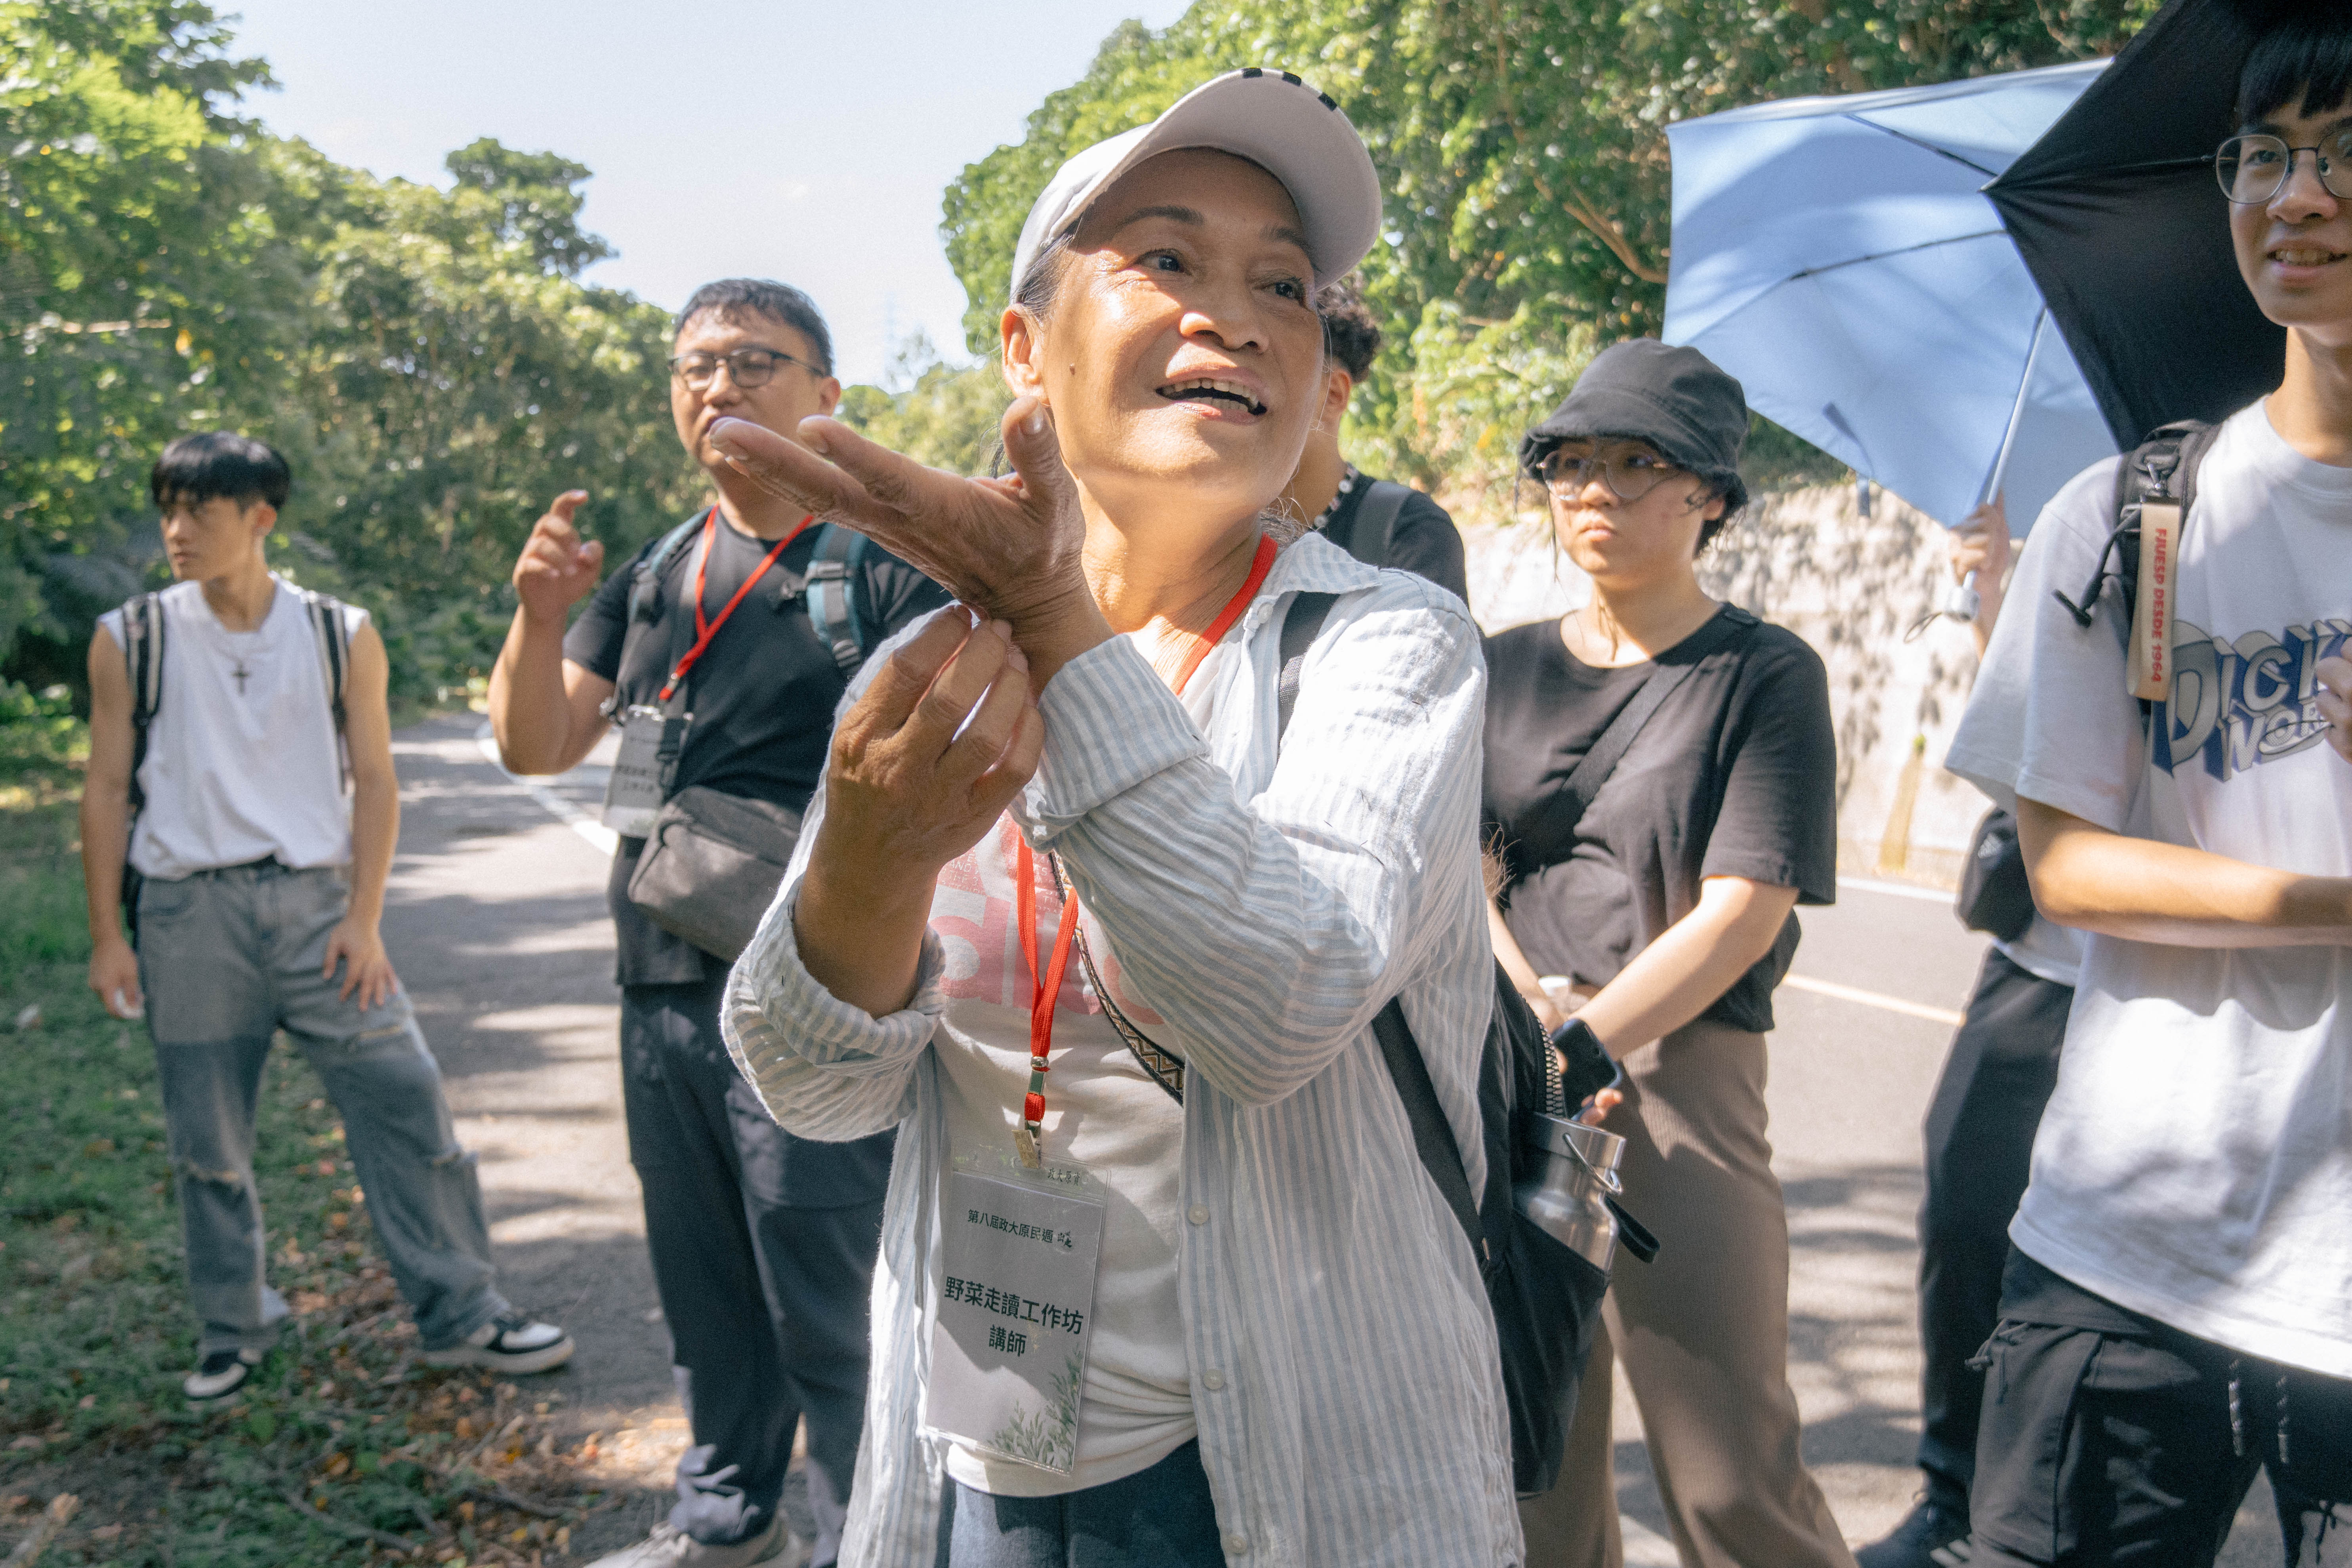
735,297
2302,54
220,465
1042,281
1351,334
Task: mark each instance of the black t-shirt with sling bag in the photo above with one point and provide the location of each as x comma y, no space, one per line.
1734,774
762,695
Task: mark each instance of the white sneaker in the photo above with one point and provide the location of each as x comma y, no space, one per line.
670,1547
222,1373
509,1344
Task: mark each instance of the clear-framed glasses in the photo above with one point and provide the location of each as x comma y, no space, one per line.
1630,476
2252,168
747,367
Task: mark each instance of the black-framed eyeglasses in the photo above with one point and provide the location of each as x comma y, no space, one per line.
747,367
2253,169
1630,476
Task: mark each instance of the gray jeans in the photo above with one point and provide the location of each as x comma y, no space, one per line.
227,958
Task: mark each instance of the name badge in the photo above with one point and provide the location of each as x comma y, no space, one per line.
1015,1308
634,796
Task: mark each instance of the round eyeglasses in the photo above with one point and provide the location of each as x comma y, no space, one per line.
747,367
1630,476
2253,169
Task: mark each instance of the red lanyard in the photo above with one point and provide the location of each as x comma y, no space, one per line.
705,628
1048,980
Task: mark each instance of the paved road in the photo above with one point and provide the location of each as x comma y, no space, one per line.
497,918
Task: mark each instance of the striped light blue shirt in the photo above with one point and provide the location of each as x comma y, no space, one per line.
1266,903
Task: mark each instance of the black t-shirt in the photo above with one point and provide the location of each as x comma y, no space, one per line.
762,695
1734,775
1424,540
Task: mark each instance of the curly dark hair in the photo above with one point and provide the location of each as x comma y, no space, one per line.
1351,334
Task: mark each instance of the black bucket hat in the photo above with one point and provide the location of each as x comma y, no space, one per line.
1676,399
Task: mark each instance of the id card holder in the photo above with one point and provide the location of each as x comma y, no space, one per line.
1016,1307
634,796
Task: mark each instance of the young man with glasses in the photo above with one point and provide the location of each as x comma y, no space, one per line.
763,1244
2177,1309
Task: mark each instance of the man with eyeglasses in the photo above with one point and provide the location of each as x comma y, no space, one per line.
2177,1305
717,648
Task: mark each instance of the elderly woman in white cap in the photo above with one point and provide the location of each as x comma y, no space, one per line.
1163,1280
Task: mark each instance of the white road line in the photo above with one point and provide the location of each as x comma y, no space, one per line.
564,811
1873,999
1899,889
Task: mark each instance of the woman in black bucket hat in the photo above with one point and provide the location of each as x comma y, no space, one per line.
1650,900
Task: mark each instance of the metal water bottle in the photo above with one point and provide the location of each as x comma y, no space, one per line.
1567,1201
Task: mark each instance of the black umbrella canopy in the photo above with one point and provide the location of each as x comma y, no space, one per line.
2121,224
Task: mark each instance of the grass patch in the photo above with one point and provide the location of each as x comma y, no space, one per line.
339,1449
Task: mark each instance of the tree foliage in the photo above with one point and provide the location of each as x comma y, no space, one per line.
429,361
1522,145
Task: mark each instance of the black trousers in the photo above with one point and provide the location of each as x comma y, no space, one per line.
763,1247
2112,1440
1980,1125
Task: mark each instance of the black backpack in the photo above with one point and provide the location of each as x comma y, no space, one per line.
1545,1299
142,657
1995,895
1371,528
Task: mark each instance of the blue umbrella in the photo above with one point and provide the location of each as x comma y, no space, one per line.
1838,256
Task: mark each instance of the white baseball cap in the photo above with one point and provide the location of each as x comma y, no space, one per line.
1271,118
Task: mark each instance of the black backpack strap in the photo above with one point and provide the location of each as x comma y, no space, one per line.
1433,1135
332,635
1301,625
646,606
1376,520
832,595
2162,468
143,660
1560,815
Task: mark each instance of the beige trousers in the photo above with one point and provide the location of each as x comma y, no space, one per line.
1703,1332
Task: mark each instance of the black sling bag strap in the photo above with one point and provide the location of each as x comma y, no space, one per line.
1554,825
142,657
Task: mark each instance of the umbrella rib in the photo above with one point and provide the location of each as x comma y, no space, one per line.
1928,146
1882,255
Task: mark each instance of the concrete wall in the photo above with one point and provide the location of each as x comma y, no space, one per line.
1851,587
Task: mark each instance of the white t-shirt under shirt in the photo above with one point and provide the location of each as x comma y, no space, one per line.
2195,1163
1104,1113
243,761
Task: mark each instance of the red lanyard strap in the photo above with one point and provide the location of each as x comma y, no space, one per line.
704,627
1048,979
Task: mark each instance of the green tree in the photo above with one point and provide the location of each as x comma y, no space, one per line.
143,284
1522,146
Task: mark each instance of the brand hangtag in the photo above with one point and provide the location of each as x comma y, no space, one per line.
2159,573
1013,1314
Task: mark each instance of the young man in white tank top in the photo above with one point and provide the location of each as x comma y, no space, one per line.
258,894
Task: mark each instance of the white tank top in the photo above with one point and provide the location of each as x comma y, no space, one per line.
242,761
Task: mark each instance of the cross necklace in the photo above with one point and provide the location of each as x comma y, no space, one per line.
241,673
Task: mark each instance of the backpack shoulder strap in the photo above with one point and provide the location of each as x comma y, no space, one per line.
1301,625
332,635
2162,468
644,584
143,660
833,594
1376,520
1433,1135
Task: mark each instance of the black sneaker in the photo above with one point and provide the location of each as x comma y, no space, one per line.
220,1374
1936,1535
509,1344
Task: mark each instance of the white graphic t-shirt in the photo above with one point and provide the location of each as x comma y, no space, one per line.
2195,1165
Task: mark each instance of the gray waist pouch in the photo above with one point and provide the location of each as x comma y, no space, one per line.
711,866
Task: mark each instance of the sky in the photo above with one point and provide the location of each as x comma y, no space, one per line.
806,142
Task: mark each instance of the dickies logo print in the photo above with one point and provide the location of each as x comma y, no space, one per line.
2237,705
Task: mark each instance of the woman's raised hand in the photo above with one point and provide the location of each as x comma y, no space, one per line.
1012,548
